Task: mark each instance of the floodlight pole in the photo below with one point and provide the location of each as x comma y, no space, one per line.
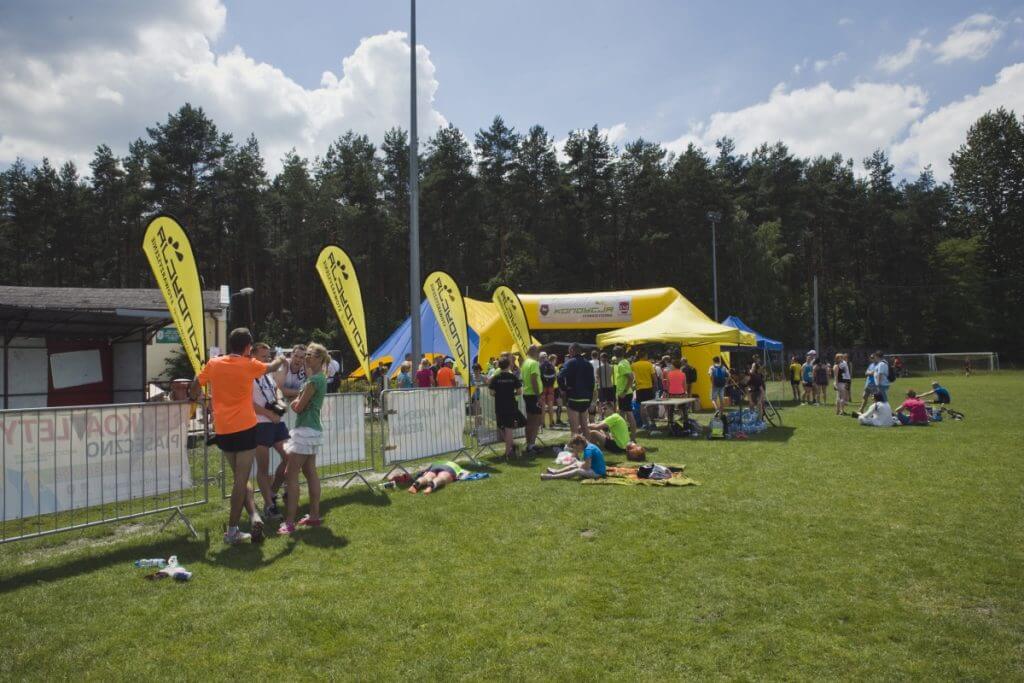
817,342
414,198
714,217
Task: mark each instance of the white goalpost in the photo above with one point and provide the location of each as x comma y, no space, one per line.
959,361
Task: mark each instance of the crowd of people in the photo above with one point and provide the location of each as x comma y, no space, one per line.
250,395
601,395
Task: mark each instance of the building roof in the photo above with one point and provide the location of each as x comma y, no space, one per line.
93,299
85,311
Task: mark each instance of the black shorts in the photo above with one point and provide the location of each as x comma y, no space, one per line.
794,382
644,395
580,405
510,420
531,403
625,403
611,446
270,433
606,394
237,442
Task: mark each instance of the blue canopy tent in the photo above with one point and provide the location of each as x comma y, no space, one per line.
763,342
396,346
766,345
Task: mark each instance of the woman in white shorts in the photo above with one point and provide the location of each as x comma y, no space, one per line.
306,439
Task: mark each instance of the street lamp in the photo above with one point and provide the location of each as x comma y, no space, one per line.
247,292
714,217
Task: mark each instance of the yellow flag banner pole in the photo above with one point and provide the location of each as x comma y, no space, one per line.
450,310
339,278
511,310
170,256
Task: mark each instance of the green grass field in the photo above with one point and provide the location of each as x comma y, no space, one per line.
818,550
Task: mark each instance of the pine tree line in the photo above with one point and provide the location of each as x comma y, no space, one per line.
911,265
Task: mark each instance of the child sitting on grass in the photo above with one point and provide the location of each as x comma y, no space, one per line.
592,467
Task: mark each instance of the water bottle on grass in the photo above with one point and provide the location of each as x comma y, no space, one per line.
157,562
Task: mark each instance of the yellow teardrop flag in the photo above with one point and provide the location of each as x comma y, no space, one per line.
169,252
339,278
511,310
450,310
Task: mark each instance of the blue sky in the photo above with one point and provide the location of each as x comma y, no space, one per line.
906,77
656,66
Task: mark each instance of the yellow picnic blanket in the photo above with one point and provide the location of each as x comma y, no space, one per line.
626,476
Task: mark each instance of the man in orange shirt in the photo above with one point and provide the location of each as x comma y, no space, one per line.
234,420
445,375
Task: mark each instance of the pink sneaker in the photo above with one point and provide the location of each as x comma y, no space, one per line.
309,521
285,529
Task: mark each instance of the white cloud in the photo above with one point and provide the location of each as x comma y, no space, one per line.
901,60
972,39
68,83
932,139
816,120
797,68
845,21
822,64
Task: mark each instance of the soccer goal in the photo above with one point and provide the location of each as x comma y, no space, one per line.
921,363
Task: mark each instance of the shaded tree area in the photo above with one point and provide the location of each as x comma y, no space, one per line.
913,265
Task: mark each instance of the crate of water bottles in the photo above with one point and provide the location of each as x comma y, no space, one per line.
744,421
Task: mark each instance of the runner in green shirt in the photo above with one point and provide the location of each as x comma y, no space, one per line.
624,388
529,373
435,476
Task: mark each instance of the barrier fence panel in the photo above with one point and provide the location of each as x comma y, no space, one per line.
421,423
75,467
350,438
485,427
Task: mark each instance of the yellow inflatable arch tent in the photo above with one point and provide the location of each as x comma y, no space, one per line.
639,316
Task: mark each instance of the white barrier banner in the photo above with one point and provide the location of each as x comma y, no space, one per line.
424,422
342,417
66,459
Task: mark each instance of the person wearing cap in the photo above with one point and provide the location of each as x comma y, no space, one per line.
529,374
940,393
445,374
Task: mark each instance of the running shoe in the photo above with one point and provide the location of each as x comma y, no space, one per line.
236,537
285,529
309,521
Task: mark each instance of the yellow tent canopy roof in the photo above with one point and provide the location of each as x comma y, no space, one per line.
679,323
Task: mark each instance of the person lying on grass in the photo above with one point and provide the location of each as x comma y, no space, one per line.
592,467
913,411
940,393
434,476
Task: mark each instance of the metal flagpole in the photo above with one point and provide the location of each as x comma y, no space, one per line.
714,217
414,199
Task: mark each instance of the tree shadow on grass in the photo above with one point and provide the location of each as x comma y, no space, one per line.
189,552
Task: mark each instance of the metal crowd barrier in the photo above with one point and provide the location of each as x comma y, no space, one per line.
423,423
485,427
77,467
351,436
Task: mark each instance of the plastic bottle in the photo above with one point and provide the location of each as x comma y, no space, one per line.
158,562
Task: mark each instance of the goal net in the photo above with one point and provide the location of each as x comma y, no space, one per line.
924,363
